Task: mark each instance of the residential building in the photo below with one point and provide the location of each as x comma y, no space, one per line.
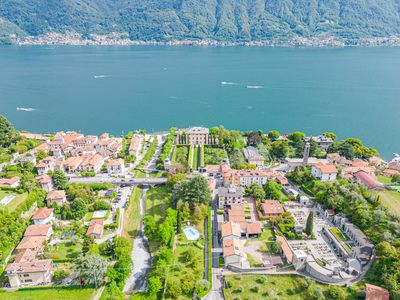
233,251
253,157
394,163
230,230
91,163
43,216
39,230
322,141
368,181
46,182
390,172
324,172
373,292
72,164
230,195
236,214
35,136
195,136
12,182
56,197
116,166
134,147
27,270
336,158
271,208
95,229
34,243
248,177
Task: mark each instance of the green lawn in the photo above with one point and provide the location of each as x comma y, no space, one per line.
158,199
65,251
132,215
384,179
19,199
244,286
89,216
195,163
391,199
50,294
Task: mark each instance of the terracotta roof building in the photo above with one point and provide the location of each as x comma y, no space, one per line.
373,292
368,181
10,182
56,197
271,208
96,228
34,243
39,230
324,172
43,215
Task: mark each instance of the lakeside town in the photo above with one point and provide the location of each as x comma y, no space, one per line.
122,39
197,213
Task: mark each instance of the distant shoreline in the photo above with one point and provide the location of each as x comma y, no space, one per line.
117,39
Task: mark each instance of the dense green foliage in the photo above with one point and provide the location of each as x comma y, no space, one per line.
229,20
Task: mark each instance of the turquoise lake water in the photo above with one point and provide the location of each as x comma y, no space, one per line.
351,91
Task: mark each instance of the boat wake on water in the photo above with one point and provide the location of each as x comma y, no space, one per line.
25,109
228,83
254,86
99,76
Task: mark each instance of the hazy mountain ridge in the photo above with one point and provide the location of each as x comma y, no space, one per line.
226,20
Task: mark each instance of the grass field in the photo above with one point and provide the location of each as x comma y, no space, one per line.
50,294
384,179
19,198
254,287
132,215
195,162
65,251
391,199
158,199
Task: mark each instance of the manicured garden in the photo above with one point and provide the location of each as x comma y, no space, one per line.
14,203
65,251
213,155
244,286
70,293
181,154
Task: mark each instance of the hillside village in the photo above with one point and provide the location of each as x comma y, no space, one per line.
198,213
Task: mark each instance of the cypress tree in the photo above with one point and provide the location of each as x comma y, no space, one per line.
309,224
178,222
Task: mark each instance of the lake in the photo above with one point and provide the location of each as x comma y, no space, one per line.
350,91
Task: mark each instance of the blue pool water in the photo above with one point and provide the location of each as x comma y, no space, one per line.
98,214
6,200
191,233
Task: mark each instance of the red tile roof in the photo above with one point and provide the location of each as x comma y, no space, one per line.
272,207
37,230
42,213
326,168
95,227
374,292
369,181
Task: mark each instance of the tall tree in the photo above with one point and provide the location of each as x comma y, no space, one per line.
310,224
7,132
60,180
91,268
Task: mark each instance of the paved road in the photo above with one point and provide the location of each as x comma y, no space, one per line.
140,252
116,180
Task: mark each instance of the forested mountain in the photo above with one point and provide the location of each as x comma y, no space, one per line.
227,20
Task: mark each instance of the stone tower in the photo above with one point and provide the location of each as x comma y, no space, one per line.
306,154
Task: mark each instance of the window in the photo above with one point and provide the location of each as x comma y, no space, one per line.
26,275
28,280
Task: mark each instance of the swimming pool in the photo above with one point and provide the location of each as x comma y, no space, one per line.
99,214
7,199
191,233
